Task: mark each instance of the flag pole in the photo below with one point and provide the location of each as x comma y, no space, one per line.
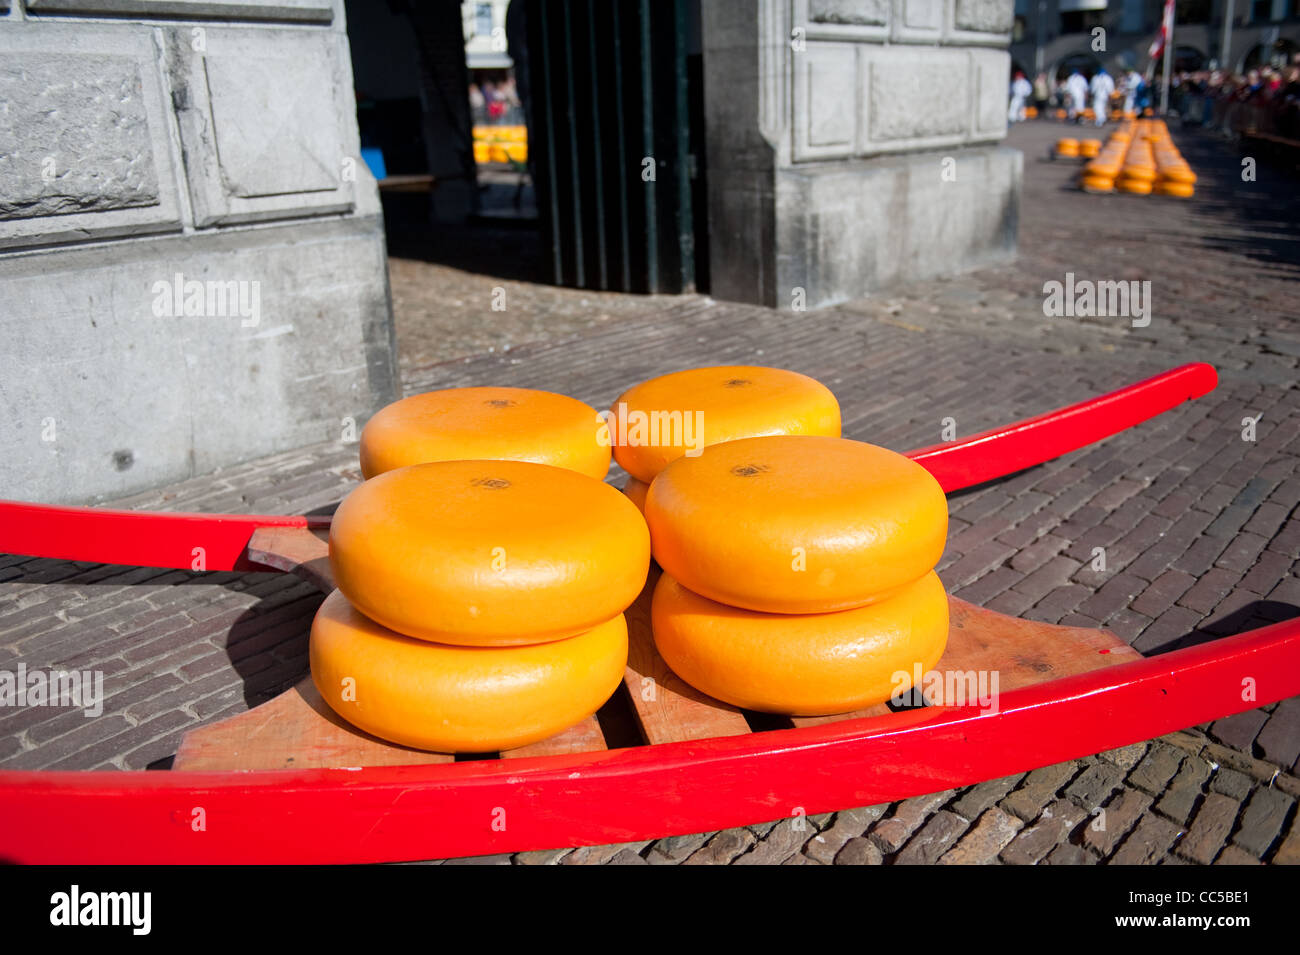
1169,56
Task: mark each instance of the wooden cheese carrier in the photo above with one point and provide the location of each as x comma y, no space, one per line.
298,730
290,782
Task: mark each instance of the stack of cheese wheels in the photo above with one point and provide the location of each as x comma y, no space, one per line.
1067,148
658,421
1174,177
511,424
479,604
1100,173
798,572
1139,170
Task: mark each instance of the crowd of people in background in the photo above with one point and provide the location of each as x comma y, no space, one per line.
1099,95
495,101
1266,99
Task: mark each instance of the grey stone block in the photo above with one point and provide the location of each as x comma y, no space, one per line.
267,124
984,16
102,397
916,97
849,12
917,21
87,107
845,230
304,11
84,151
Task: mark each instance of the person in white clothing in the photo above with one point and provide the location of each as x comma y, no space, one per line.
1021,89
1132,84
1076,94
1101,87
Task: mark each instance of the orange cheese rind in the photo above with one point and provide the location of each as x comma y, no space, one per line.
514,424
460,699
488,553
796,524
677,415
807,665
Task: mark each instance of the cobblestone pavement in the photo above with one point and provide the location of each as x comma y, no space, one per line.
1200,527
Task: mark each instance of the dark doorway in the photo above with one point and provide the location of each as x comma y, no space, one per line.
556,141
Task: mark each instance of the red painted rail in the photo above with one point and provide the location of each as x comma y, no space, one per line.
164,539
137,538
1001,451
424,812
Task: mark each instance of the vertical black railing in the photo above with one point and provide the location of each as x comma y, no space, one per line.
612,142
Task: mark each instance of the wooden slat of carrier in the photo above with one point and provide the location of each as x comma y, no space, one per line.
1020,652
301,551
584,737
668,709
296,730
880,709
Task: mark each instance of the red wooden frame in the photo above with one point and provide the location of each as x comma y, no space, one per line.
1014,447
137,538
452,809
415,812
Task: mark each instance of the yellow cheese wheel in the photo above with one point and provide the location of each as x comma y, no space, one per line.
796,524
1183,190
802,665
1178,172
712,405
1137,187
511,424
636,492
1097,183
460,699
488,553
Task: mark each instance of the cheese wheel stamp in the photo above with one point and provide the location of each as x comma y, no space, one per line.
488,553
805,665
507,424
796,524
680,414
460,699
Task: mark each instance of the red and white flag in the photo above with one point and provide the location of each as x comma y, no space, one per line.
1157,48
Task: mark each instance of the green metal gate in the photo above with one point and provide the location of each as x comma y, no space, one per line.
615,136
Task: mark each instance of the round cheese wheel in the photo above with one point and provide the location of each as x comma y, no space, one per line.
1137,187
510,424
1183,190
1178,172
459,699
1097,183
678,415
796,524
488,553
636,492
803,665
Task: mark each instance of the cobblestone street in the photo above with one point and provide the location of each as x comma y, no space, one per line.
1198,519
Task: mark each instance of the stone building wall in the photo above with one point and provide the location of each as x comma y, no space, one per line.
852,143
192,262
